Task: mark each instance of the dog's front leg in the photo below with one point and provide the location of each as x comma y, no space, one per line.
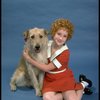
13,84
41,77
34,80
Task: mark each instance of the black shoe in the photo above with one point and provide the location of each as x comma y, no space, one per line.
83,78
88,91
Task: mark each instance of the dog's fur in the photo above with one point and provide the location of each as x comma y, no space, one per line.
27,75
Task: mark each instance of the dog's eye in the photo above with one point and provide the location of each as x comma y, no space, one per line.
32,36
41,36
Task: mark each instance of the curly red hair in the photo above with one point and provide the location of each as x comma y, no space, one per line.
62,24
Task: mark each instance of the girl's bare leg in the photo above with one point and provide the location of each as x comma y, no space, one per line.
79,94
52,96
69,95
72,95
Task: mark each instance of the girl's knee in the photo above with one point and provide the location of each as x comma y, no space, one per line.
70,95
72,98
46,97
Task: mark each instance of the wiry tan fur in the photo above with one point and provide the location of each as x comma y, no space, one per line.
26,74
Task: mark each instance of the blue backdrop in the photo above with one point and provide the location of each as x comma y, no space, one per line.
21,15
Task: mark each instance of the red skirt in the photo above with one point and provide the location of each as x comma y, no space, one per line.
60,82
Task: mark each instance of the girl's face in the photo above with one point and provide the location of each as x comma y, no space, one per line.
60,37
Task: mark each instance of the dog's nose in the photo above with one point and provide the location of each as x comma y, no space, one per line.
37,47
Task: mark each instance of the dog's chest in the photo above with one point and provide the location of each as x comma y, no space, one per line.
40,57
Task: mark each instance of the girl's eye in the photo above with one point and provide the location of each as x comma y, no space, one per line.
65,36
32,36
59,33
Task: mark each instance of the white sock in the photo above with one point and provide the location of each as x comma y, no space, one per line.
84,84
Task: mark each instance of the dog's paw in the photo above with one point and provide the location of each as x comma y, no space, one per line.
13,88
38,93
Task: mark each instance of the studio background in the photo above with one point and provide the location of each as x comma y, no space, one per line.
21,15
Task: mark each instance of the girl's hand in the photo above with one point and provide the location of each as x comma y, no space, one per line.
25,54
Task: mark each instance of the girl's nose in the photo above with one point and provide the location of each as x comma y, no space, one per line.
61,37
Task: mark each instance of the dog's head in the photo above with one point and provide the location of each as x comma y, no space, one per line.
36,39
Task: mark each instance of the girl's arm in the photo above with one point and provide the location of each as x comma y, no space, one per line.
41,66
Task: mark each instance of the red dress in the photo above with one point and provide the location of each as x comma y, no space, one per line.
61,78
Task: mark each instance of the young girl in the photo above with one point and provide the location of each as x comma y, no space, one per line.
59,82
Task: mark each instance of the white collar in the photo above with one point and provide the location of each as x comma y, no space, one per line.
57,52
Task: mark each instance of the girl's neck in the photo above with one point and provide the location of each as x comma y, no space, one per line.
55,46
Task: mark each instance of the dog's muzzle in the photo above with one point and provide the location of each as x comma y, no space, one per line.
37,48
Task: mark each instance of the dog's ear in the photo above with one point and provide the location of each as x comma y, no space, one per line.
45,32
26,35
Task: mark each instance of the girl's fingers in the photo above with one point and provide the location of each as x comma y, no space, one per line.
26,50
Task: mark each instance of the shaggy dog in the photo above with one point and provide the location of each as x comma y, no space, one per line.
27,75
